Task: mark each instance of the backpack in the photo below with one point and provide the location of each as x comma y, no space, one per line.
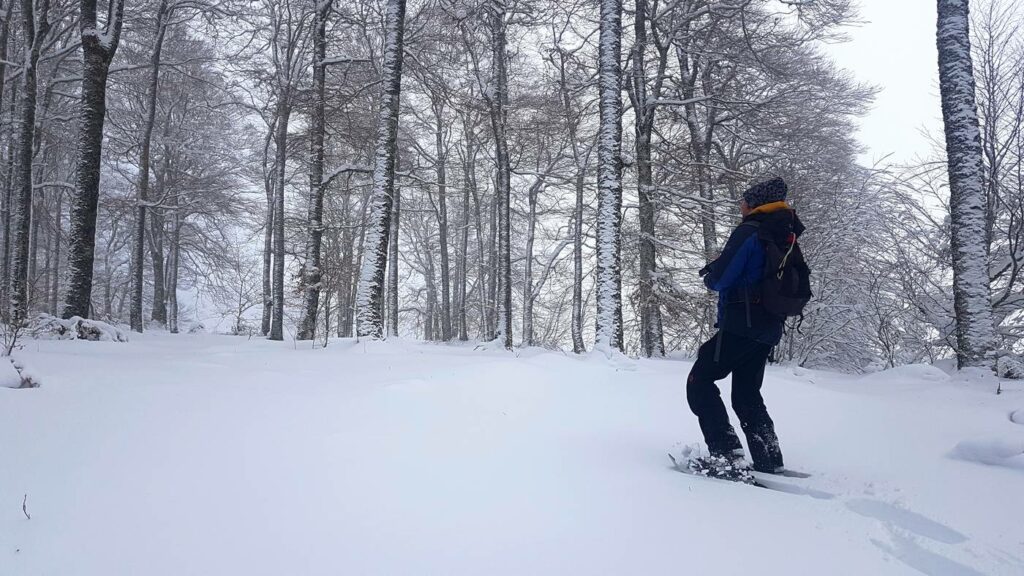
786,285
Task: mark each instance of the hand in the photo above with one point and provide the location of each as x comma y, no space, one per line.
704,271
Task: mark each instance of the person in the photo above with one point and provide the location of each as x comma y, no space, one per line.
747,333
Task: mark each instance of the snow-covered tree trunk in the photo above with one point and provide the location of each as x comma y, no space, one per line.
268,244
33,34
396,220
58,231
442,221
172,267
644,108
284,110
139,238
499,124
609,180
5,207
531,233
98,49
312,273
370,290
975,332
469,178
578,346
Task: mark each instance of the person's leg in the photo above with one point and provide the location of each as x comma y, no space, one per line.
747,402
705,399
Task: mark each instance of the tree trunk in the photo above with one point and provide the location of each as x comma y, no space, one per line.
975,330
139,237
609,181
268,254
156,249
396,218
651,339
98,50
468,183
33,35
578,346
528,298
442,223
172,268
6,206
281,156
499,123
312,273
58,230
375,249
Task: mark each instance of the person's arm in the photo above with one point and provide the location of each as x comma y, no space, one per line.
724,272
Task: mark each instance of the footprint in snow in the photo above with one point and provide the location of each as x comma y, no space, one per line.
907,520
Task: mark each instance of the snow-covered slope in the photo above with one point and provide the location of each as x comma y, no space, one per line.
216,455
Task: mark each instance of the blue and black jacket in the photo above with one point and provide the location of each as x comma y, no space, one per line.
736,274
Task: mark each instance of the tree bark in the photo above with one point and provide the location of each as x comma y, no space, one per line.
609,181
651,338
98,49
442,222
33,35
396,218
499,124
375,249
975,330
139,237
280,159
312,273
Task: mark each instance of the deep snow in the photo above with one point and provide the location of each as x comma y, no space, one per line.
200,454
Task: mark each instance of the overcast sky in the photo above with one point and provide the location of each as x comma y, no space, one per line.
895,50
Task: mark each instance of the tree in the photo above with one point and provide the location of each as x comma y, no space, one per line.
968,200
609,180
312,268
138,243
498,101
370,292
34,33
98,49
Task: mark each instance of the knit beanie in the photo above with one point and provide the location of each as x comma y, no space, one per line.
766,192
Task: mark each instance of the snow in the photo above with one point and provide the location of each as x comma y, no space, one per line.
9,376
207,454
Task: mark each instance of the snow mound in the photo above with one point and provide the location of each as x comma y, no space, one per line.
49,327
13,375
1010,367
910,372
9,377
992,451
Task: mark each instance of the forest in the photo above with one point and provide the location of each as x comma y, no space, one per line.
527,173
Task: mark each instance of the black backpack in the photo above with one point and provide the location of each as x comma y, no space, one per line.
786,285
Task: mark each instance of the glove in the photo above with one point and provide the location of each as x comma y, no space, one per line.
704,271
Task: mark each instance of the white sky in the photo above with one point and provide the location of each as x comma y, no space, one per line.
895,50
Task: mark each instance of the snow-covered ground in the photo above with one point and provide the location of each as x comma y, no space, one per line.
200,454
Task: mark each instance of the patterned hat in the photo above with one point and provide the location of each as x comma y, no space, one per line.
766,192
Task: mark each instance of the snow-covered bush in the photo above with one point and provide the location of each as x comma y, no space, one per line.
14,376
46,326
1011,367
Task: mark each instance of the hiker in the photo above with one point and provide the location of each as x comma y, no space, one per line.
747,331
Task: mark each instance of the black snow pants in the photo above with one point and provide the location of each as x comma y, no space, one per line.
745,359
